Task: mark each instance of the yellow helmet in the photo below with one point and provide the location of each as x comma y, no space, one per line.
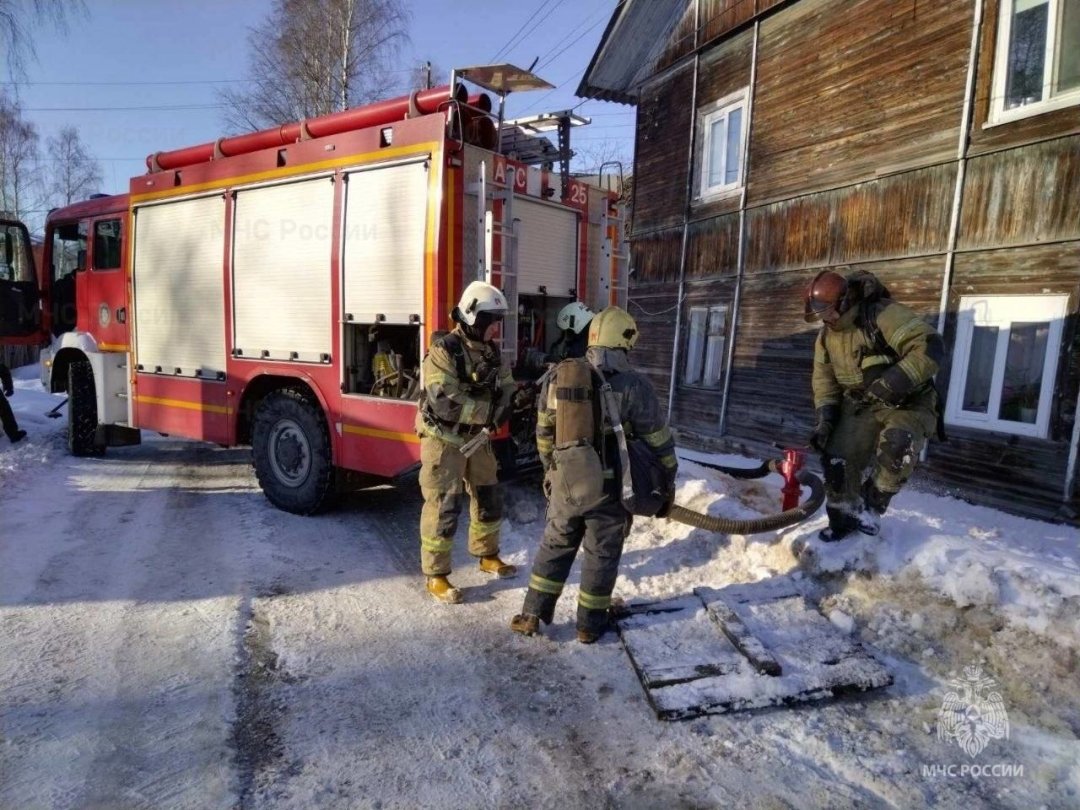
613,328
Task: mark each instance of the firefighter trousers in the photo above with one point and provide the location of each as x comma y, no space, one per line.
445,476
7,418
600,533
878,443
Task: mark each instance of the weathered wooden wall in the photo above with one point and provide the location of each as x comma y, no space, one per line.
1022,196
900,215
853,165
663,144
1015,133
653,301
850,90
723,70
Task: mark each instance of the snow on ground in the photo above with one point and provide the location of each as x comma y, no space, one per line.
168,639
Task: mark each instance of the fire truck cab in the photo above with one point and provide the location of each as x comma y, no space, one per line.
280,288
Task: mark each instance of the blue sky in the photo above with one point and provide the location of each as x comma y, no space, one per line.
175,55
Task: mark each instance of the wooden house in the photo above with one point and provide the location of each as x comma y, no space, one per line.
935,143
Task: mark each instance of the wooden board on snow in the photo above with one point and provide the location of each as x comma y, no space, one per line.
743,647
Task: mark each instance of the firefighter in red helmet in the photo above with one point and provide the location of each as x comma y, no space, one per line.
874,394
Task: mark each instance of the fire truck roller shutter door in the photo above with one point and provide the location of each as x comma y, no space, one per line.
282,237
178,249
383,260
548,247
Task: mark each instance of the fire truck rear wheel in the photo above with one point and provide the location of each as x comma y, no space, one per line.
290,447
82,410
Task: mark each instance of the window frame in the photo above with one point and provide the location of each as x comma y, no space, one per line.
698,360
1002,311
706,117
94,243
998,114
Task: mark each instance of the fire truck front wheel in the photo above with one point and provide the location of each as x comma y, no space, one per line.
82,410
291,450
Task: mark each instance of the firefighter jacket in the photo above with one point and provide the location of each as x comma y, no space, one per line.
639,409
879,347
466,388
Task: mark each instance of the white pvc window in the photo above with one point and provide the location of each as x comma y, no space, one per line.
1037,63
723,134
705,347
1004,363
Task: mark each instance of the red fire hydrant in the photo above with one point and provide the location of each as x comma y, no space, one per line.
789,468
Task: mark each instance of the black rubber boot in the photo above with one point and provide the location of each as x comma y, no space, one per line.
841,524
876,502
875,499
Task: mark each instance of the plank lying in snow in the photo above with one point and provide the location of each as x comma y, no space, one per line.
743,647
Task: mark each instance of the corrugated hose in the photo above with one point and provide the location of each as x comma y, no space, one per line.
767,523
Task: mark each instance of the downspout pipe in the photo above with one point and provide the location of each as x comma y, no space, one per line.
686,215
740,264
961,168
961,172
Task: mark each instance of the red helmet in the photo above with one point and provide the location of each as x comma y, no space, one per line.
827,291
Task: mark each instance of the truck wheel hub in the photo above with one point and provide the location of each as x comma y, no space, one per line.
290,453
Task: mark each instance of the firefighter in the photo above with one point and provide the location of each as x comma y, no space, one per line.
7,417
573,321
580,453
466,389
874,395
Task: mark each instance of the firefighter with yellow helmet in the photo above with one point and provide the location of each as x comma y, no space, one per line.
582,406
467,390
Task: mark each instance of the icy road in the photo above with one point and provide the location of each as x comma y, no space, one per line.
168,639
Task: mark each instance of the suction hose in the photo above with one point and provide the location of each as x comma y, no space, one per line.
755,525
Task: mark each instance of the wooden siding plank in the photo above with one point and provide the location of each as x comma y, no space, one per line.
681,42
714,247
892,217
663,143
655,257
887,92
1022,196
653,306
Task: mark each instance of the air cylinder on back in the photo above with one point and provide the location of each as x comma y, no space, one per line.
574,409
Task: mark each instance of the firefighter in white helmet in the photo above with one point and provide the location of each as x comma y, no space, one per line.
466,389
583,465
573,321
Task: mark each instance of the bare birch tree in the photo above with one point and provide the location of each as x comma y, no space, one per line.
313,57
20,186
73,171
17,20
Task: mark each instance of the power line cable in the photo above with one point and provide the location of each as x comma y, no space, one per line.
513,36
549,57
570,44
535,25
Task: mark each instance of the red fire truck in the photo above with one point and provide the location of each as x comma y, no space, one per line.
279,288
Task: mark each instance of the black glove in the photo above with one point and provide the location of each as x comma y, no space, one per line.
827,418
524,398
891,388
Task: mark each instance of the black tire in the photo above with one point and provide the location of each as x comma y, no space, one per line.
290,448
82,410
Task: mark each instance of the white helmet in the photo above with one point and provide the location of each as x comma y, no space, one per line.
575,317
479,297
